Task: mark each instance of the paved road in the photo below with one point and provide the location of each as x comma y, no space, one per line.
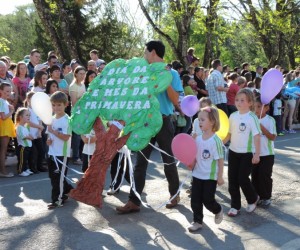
25,222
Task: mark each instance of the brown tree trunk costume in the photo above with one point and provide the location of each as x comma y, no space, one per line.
89,188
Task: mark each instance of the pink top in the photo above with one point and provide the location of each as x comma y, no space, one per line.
22,87
233,89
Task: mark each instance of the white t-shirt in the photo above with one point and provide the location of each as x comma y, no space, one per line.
38,89
243,127
277,107
4,106
209,151
60,147
266,145
23,132
34,132
196,128
89,148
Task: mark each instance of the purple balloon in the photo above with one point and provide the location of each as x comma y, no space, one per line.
189,105
271,84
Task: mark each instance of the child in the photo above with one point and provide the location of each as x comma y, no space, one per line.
262,172
203,102
24,150
277,114
51,87
7,129
59,142
208,170
244,130
36,128
40,80
191,71
88,148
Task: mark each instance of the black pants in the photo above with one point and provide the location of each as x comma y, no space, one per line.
85,162
164,139
23,154
278,120
113,171
223,106
36,161
54,175
203,193
262,177
239,170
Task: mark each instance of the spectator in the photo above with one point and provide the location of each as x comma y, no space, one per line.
245,68
90,75
199,78
21,81
35,58
94,56
92,65
70,76
216,86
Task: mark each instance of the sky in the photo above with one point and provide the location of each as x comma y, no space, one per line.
8,6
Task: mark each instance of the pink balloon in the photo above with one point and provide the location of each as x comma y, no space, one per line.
189,105
184,148
271,84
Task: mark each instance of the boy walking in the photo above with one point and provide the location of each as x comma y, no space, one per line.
59,142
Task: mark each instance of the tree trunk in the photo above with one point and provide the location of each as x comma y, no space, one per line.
89,189
43,10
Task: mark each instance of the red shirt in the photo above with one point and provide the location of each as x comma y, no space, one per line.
233,89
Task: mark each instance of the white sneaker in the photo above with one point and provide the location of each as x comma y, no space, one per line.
219,217
251,207
194,227
28,171
233,212
24,174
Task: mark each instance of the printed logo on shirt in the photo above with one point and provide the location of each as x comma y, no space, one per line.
242,127
205,154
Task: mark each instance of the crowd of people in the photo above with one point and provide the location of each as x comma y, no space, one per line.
237,92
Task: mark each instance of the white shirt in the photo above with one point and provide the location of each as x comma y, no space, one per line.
34,132
4,106
277,107
23,132
60,147
209,151
89,148
196,128
243,127
266,145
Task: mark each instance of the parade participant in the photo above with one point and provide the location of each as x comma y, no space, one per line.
244,151
59,142
207,169
262,172
154,52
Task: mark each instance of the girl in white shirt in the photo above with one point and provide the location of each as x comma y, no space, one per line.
261,176
208,169
244,151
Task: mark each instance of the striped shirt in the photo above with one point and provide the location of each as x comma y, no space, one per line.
209,151
266,145
243,127
23,132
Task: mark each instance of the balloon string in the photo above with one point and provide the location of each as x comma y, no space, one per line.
261,111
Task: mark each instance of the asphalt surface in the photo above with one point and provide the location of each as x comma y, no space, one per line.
26,223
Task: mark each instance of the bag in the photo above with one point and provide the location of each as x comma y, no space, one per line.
181,121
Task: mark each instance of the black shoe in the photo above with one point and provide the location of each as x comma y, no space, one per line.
54,205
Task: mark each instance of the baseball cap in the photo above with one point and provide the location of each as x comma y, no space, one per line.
39,67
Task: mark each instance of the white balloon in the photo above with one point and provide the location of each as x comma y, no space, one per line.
41,105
